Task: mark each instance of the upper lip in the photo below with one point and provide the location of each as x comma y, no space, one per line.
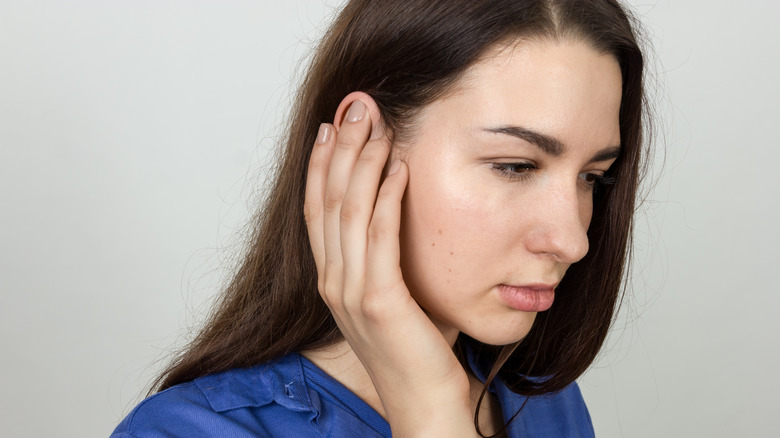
536,286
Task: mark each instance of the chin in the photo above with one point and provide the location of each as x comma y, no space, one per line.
506,334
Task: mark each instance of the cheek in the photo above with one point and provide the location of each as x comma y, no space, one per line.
586,210
449,231
429,220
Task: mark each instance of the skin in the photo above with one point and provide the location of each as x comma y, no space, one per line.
467,226
407,264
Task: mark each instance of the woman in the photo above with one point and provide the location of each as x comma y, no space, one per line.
407,271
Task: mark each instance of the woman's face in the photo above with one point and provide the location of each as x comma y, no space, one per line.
500,191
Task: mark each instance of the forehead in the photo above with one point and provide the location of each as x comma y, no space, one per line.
562,88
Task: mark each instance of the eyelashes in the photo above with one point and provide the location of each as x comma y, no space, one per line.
514,171
524,170
596,181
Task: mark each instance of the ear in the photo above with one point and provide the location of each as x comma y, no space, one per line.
373,110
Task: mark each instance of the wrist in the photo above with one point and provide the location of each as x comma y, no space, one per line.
429,418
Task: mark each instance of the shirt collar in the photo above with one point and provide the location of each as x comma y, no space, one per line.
279,381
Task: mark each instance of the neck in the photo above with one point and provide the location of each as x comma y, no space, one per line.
341,363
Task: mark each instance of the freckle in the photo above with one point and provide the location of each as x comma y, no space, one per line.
452,253
439,231
449,269
433,244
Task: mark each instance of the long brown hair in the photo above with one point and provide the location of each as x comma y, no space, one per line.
405,54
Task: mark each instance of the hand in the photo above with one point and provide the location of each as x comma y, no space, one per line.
353,220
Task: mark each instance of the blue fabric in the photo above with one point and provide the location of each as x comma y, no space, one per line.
292,397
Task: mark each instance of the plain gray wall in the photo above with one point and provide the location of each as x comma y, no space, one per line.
132,141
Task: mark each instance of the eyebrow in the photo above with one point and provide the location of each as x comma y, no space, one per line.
550,145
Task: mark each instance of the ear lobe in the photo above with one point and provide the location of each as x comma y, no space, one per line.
373,109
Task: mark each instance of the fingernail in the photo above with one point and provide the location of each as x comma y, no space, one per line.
394,166
324,134
356,111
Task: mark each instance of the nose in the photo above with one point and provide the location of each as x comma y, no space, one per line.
560,225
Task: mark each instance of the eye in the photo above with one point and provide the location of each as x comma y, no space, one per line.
593,180
514,170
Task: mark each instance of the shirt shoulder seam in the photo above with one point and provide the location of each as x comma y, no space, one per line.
131,417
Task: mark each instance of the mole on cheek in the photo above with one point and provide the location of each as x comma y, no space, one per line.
452,253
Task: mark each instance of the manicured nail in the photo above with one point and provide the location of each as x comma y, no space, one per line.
324,134
394,166
356,111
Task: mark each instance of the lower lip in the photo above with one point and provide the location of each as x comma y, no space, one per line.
526,299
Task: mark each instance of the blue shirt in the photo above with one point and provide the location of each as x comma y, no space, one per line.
292,397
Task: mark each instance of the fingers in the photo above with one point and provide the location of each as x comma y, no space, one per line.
358,209
316,180
349,143
383,233
343,179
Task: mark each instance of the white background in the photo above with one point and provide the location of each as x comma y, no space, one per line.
132,142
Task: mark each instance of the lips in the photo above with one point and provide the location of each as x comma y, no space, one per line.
528,298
